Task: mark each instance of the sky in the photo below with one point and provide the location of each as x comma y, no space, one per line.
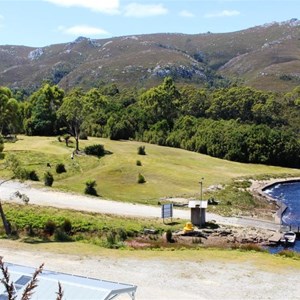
38,23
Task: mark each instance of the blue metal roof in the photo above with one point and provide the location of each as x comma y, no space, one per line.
74,287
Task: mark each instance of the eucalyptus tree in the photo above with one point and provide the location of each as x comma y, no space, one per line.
73,113
8,110
161,102
41,111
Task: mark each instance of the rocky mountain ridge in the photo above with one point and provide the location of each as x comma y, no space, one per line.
265,57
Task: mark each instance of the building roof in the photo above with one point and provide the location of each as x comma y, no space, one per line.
74,287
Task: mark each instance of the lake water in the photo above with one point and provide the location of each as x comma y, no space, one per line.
289,194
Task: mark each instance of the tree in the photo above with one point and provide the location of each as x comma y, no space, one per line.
72,112
1,146
161,103
41,111
8,110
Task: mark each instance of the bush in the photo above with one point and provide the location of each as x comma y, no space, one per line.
138,163
61,236
49,227
33,176
141,150
97,150
60,168
169,236
66,226
48,179
111,239
90,188
122,234
21,173
252,247
289,253
29,230
141,178
83,136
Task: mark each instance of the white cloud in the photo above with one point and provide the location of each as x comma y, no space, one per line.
104,6
144,10
186,14
83,30
224,13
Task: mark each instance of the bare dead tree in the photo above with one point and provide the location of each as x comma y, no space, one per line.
29,289
60,292
9,286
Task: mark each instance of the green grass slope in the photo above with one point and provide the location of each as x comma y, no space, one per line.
168,171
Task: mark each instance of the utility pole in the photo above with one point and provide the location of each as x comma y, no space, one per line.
201,183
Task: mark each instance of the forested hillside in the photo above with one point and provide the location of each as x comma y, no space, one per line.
235,123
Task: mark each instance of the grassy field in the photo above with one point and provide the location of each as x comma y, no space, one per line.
169,172
264,261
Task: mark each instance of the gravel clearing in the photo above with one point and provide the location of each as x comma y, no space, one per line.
163,279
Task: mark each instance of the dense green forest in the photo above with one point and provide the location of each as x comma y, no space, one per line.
235,123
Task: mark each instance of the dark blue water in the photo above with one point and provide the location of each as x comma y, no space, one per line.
289,194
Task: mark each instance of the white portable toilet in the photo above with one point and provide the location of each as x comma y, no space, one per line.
198,212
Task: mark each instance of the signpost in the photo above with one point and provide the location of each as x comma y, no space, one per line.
167,211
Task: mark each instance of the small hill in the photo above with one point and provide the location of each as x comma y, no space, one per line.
169,172
265,57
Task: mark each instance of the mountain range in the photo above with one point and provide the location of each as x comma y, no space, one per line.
266,57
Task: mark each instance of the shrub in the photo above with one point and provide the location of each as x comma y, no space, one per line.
67,137
60,168
61,236
122,234
66,226
111,239
97,150
21,173
252,247
90,188
289,253
83,136
138,163
169,236
29,230
49,227
48,179
141,150
33,176
141,178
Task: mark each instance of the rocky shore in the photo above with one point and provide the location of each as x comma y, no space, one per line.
228,236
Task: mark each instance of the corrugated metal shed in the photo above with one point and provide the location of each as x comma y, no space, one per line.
74,287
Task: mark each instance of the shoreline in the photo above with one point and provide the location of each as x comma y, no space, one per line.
258,187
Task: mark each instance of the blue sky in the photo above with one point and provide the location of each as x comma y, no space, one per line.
40,23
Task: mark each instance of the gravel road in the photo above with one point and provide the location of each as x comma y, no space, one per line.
50,197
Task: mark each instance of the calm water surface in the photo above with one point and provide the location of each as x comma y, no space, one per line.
289,194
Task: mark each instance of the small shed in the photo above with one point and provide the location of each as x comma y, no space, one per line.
74,287
198,212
